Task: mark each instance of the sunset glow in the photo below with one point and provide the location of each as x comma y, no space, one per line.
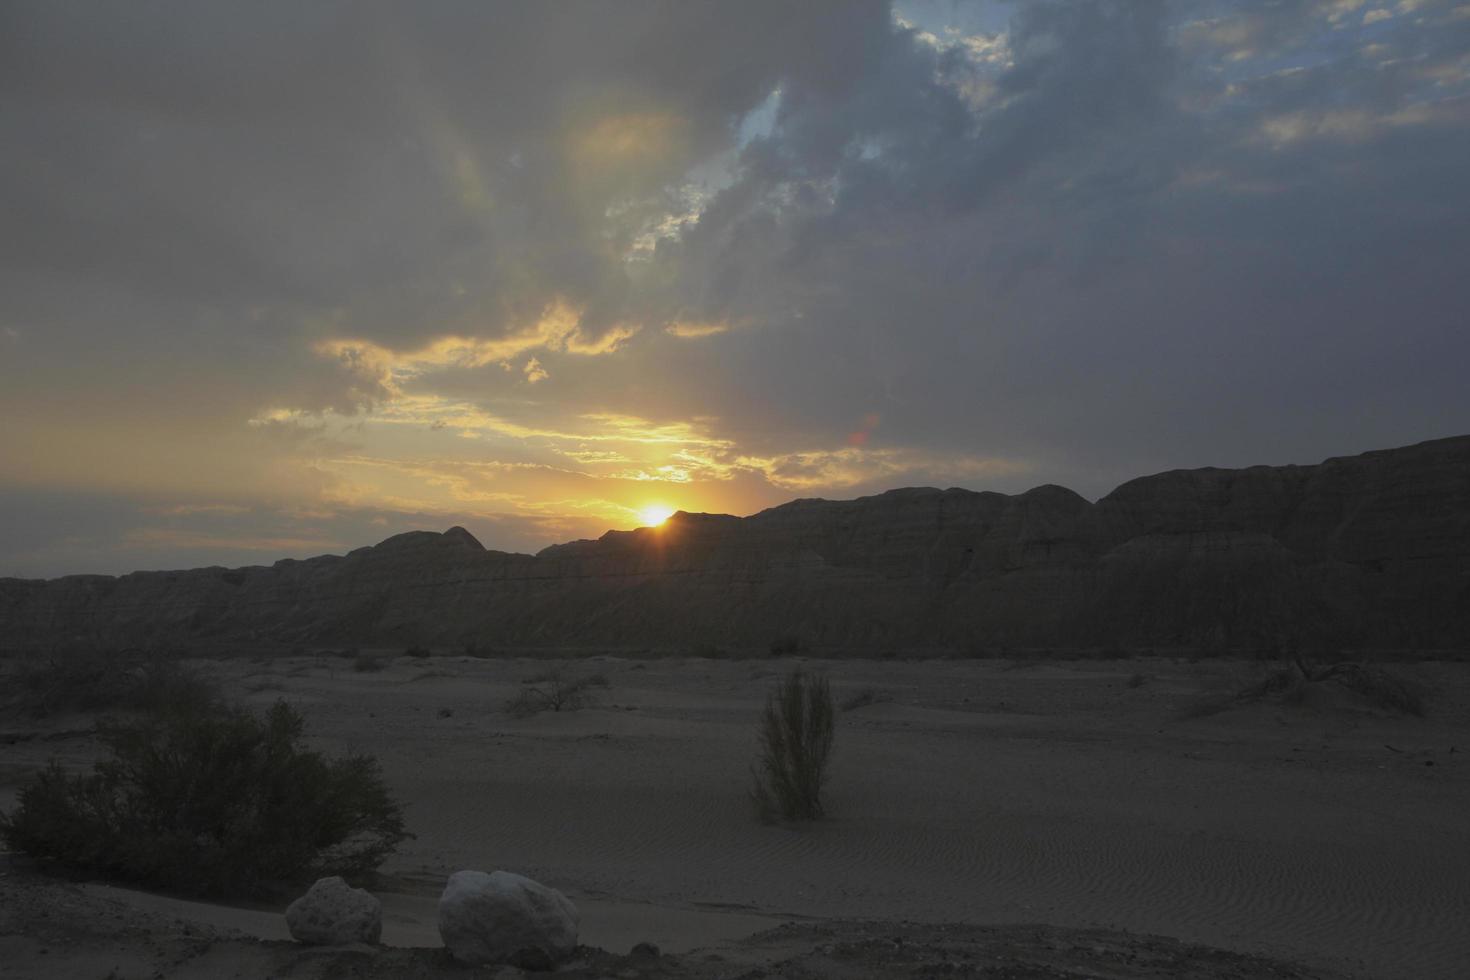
581,257
655,514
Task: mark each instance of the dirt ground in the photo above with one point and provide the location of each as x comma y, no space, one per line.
968,800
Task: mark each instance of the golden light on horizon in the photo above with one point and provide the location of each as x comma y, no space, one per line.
652,515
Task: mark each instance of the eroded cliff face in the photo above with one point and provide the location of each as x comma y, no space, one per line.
1369,551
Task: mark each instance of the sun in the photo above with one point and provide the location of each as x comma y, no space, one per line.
652,515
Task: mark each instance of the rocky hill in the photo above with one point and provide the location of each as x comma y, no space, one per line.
1369,551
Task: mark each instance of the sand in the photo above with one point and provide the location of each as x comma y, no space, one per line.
976,793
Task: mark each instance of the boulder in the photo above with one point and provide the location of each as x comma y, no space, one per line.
332,913
505,918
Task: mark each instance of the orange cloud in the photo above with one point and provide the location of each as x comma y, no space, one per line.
688,329
558,329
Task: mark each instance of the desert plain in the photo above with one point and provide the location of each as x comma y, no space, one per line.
1088,798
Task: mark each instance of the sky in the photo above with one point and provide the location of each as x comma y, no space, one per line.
281,279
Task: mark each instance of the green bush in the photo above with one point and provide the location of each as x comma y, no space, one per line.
213,803
795,746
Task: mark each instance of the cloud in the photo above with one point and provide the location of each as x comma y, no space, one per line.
523,266
380,371
854,466
688,329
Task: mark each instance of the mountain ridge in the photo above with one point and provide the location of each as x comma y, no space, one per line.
1354,552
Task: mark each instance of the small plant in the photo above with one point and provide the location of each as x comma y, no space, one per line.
418,653
1137,680
215,802
795,746
551,691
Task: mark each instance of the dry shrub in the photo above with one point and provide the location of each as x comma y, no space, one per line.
551,691
795,746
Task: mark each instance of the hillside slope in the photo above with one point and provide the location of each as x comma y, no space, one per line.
1355,552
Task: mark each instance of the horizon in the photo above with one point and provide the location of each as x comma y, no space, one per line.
279,280
348,548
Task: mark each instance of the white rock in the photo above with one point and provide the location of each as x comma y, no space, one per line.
332,913
490,918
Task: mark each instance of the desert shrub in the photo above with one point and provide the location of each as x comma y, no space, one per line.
418,653
1137,680
125,680
216,802
552,691
795,746
367,663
